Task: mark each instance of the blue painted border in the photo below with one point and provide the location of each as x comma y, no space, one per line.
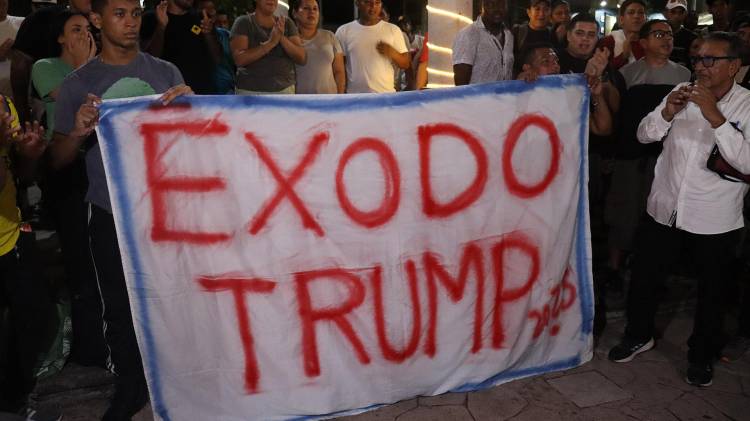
147,340
585,285
348,103
356,102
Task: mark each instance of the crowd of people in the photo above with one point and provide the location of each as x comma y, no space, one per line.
665,96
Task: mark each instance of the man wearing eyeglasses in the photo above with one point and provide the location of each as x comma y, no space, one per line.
690,207
647,82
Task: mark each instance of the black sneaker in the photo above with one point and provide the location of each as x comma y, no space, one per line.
628,349
700,375
127,401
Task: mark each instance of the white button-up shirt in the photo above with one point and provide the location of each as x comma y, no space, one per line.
684,191
491,57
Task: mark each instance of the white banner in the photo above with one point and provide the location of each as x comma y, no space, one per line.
310,256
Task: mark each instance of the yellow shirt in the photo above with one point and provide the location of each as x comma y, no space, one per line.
10,215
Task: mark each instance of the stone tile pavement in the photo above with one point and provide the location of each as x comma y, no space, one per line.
649,388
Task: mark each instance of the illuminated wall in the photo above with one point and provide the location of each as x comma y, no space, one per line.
444,19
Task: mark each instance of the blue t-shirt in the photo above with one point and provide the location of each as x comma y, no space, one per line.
224,74
145,75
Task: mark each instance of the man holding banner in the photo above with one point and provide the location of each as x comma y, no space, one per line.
119,71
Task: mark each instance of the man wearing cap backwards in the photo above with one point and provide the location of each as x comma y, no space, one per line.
534,32
120,71
676,12
483,51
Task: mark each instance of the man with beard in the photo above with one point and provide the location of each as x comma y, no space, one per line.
691,208
372,47
177,33
483,51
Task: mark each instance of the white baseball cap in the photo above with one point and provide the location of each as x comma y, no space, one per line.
671,4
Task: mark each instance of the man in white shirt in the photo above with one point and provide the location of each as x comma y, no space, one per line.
690,207
8,28
372,47
483,51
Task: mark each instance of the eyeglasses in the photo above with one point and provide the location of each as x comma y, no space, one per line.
708,61
659,34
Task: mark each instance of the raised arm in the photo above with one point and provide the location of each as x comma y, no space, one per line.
656,124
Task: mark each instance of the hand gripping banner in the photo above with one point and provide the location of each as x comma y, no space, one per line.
306,257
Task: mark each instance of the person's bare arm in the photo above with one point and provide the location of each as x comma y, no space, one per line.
209,35
600,120
402,60
5,49
155,45
20,78
29,147
294,49
243,55
462,73
64,147
421,76
339,73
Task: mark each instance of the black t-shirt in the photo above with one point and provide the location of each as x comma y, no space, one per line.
523,36
185,47
35,37
570,64
682,40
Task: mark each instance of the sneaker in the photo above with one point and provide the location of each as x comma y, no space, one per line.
700,375
735,349
628,349
127,401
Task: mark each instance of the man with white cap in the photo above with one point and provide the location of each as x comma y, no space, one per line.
676,11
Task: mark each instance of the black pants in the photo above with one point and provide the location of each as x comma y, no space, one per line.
119,332
86,306
658,249
744,320
27,318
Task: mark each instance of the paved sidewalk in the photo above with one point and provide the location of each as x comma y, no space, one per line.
649,388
